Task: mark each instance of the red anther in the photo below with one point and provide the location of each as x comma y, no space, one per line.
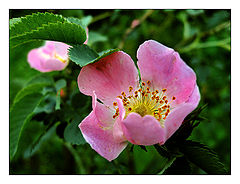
130,88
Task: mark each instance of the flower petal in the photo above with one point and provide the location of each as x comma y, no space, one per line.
61,49
108,77
177,115
98,132
165,69
44,60
143,130
36,60
48,48
54,65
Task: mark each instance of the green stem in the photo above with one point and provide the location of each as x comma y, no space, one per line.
196,45
101,16
130,29
202,34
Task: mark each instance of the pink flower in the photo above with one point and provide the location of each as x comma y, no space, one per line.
53,56
143,113
50,57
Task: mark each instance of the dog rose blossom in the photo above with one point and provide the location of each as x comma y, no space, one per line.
53,56
50,57
142,112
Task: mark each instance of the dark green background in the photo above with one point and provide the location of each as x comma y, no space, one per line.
202,37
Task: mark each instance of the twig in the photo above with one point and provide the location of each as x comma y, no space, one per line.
137,23
101,16
196,45
203,34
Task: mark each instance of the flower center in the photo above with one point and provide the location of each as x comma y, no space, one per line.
59,58
145,101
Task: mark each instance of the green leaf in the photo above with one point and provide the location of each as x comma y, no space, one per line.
30,133
32,22
46,26
34,88
35,85
96,37
185,130
19,115
13,21
39,139
162,151
203,157
168,162
84,22
83,55
143,148
41,78
180,166
72,133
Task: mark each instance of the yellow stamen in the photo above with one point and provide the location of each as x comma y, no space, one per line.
145,101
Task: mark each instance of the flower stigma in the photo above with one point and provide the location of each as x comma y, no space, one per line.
145,101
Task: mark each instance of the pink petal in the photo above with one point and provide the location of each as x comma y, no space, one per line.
165,69
177,115
143,130
97,129
54,65
36,60
61,49
44,60
48,48
117,129
109,77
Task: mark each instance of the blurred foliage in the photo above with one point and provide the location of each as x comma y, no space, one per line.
202,37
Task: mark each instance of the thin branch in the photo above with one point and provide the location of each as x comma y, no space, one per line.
203,34
225,43
135,24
